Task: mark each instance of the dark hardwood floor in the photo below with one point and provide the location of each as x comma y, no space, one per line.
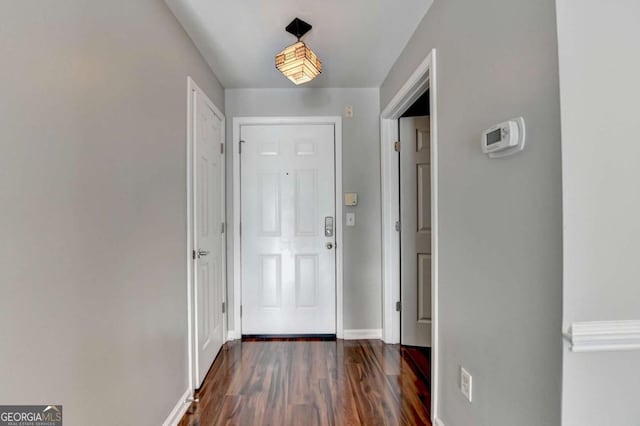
314,382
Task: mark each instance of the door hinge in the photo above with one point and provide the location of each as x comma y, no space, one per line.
221,148
397,226
193,254
222,228
224,308
396,146
240,147
398,306
240,311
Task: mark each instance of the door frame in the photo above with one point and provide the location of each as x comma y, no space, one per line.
423,78
238,122
192,88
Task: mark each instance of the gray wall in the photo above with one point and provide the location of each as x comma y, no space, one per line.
500,220
361,174
92,189
600,126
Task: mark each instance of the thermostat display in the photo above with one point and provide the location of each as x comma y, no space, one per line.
494,137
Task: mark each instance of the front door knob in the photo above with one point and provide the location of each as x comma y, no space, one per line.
202,252
329,246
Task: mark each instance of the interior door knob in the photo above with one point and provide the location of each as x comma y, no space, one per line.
203,252
329,246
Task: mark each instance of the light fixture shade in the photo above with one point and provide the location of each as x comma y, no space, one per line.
298,63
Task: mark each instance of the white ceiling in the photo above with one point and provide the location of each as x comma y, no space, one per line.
357,40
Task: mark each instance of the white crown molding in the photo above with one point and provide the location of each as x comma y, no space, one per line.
362,334
596,336
178,411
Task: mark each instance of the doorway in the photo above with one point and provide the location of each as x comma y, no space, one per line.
288,241
205,237
422,80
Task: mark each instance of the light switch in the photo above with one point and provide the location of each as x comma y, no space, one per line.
351,199
466,384
351,219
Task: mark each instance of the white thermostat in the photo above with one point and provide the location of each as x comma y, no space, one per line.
504,139
351,199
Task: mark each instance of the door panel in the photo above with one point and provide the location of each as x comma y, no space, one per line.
415,237
306,200
424,284
208,238
287,190
271,281
424,198
306,280
269,204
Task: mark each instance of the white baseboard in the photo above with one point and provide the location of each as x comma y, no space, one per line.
595,336
375,333
438,422
178,411
346,334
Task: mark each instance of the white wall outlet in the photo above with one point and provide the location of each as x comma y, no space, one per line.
466,384
351,219
348,111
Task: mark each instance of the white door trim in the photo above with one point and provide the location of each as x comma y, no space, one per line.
422,78
237,261
192,87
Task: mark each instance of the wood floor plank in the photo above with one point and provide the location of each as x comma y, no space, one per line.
313,382
341,393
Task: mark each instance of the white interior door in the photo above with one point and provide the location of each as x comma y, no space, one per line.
287,204
209,247
415,236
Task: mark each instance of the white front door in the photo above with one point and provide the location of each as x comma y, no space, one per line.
288,229
208,253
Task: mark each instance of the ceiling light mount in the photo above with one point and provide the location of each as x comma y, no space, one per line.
297,62
298,28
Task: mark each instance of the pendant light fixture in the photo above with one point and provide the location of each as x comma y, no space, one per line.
297,62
